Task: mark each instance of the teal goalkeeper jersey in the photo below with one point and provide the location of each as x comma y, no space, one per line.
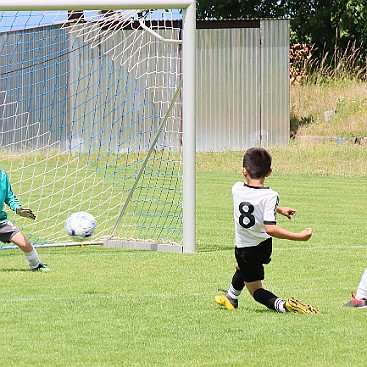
6,196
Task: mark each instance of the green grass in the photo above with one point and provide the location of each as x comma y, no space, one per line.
108,307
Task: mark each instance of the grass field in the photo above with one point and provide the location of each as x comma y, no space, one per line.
108,307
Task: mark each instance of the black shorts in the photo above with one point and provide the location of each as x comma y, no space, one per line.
251,260
7,231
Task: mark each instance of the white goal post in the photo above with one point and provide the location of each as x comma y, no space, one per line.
97,114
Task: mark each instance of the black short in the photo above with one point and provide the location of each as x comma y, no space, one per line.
7,231
250,260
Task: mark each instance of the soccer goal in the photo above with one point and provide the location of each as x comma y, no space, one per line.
97,114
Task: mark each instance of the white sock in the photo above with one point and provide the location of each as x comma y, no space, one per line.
361,292
279,305
233,293
32,258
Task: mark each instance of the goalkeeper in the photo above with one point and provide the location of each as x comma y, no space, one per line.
10,233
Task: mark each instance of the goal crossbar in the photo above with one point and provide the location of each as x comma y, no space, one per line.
93,4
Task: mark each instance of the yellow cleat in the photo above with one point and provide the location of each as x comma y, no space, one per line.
293,305
227,302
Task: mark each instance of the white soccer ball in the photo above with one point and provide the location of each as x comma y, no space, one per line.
80,224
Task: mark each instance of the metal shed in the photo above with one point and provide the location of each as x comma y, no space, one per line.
242,90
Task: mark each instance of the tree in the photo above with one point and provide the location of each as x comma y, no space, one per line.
239,9
328,24
350,21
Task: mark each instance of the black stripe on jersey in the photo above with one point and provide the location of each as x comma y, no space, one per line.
269,222
256,187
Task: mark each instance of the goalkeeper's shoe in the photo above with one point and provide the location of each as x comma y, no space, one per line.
228,302
293,305
354,302
42,267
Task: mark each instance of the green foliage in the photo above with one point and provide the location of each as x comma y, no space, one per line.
296,122
327,24
239,9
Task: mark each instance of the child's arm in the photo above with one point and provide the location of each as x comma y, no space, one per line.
279,232
287,212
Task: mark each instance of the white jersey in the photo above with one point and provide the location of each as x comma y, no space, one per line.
253,208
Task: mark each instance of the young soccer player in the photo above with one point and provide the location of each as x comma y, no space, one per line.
255,208
10,233
360,299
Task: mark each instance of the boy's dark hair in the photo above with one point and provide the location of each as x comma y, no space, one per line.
257,162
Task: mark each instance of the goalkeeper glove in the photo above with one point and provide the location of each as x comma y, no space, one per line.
27,213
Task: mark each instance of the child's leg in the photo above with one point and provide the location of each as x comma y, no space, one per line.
265,297
275,303
361,292
28,249
236,286
230,299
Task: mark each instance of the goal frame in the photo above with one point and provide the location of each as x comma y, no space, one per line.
188,89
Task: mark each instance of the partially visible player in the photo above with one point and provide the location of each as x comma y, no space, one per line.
360,299
9,232
255,208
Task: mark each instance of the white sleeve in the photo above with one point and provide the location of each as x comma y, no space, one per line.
270,209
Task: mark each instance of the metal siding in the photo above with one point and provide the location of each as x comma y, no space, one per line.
153,90
32,93
243,86
44,105
275,82
227,88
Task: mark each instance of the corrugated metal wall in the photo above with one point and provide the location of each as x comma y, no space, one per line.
65,89
125,85
274,105
33,87
242,85
242,94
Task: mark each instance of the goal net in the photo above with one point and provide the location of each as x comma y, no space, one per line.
91,119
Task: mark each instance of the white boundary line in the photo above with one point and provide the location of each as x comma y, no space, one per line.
320,247
309,248
95,295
